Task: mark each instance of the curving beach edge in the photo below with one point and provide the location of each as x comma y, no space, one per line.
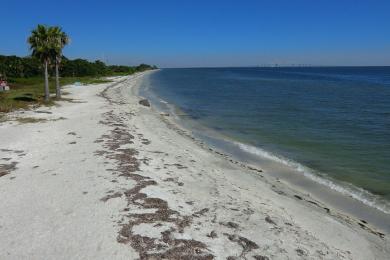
103,175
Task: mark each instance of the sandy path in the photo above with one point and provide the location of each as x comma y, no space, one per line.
109,178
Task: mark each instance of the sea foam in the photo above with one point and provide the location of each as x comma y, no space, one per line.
347,189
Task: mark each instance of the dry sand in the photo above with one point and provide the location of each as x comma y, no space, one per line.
104,177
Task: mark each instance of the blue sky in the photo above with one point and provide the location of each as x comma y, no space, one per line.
208,33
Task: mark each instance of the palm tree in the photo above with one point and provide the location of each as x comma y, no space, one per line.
60,39
41,46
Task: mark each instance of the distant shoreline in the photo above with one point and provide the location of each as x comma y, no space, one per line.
282,66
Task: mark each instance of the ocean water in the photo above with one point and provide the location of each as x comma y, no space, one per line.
332,124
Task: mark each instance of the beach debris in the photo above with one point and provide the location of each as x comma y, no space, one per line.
178,165
212,234
145,141
111,196
127,164
280,192
246,244
7,168
144,102
381,235
300,252
248,211
230,224
175,180
298,197
169,179
233,258
269,220
200,212
253,168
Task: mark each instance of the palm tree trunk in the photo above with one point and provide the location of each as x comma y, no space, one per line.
47,93
58,89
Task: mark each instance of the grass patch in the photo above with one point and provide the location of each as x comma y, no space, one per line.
29,91
32,120
29,120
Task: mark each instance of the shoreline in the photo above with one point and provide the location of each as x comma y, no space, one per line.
326,191
338,212
152,191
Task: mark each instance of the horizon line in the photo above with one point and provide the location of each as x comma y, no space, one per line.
273,66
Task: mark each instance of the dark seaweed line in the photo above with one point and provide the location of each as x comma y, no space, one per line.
167,246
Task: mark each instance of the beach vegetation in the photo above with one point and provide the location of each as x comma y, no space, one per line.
27,76
41,45
60,39
29,120
13,67
27,92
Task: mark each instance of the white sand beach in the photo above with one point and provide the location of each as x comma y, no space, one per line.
101,176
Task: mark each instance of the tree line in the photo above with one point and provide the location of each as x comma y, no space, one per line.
27,67
46,45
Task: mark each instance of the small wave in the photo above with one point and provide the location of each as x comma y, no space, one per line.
343,188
